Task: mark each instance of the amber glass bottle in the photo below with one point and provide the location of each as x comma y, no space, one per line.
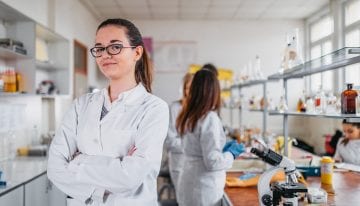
348,100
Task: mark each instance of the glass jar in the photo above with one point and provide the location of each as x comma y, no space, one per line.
348,100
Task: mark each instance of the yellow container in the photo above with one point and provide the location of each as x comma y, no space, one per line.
327,170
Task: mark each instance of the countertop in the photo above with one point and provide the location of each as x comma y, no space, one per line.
21,170
345,185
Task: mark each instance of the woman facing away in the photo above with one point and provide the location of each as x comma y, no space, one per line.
108,148
348,147
202,180
173,141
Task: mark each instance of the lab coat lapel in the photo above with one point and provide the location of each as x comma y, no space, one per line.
89,135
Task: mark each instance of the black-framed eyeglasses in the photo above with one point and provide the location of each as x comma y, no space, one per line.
112,49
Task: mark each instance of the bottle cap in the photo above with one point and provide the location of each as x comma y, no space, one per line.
327,159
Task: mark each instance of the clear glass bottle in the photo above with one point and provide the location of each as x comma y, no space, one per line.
348,100
331,104
284,64
258,73
282,105
310,105
295,53
320,101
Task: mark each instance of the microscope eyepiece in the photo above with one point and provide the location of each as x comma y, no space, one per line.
257,152
268,156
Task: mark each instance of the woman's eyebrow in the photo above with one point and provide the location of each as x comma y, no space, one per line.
111,41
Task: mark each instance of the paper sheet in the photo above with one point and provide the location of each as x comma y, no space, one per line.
348,166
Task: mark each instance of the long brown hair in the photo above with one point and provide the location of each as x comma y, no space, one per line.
204,96
143,68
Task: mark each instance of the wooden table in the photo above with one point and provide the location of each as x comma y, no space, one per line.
345,184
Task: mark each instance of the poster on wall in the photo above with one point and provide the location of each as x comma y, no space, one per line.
174,56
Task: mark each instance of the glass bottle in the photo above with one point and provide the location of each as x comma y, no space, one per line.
9,78
348,100
320,101
258,72
284,65
299,105
282,105
295,53
331,104
310,105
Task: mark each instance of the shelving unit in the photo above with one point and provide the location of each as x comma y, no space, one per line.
17,26
8,54
335,60
264,88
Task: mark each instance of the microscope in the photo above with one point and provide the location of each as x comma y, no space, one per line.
274,193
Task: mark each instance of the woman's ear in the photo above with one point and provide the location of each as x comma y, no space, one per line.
138,52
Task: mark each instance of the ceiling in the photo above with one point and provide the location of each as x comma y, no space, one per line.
203,9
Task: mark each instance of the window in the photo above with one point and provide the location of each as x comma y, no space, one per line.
322,28
320,44
352,13
352,38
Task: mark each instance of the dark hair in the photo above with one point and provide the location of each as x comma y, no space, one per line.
210,67
345,141
143,69
204,97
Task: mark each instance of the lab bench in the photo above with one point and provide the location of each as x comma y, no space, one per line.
345,186
27,183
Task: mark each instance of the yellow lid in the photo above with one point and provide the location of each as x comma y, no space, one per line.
327,159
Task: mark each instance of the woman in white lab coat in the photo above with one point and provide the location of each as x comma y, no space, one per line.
202,179
108,148
348,147
173,141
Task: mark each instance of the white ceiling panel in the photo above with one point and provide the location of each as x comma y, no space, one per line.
205,9
128,2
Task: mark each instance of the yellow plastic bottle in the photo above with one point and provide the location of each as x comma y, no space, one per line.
327,170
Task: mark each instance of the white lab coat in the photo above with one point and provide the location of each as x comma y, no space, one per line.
138,119
202,179
349,153
173,144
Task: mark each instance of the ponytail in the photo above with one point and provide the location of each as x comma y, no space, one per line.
144,71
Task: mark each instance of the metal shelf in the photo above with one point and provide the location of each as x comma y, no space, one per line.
349,117
252,82
256,110
48,66
9,54
337,59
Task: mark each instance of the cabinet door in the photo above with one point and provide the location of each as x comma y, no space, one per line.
13,198
36,192
56,197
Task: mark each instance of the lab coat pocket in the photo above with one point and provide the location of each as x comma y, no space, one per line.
117,143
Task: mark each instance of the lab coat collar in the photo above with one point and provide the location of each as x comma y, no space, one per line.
134,96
